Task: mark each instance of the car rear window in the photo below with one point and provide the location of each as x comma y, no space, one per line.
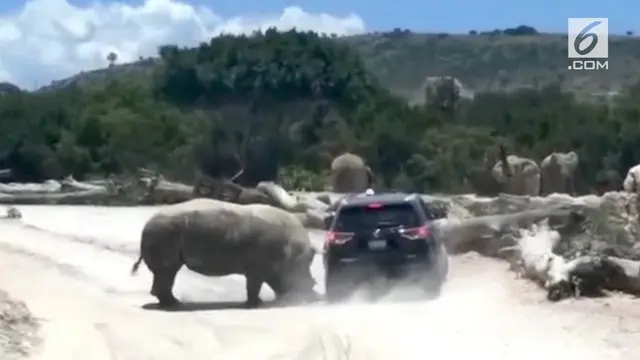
359,218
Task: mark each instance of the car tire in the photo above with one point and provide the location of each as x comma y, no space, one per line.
437,274
336,288
441,269
433,289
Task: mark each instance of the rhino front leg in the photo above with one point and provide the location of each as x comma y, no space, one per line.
276,284
254,284
162,287
290,295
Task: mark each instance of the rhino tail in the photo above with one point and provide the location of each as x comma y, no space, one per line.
136,265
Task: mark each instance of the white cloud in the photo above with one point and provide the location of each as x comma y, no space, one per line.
48,40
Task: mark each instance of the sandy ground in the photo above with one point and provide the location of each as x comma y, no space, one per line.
71,267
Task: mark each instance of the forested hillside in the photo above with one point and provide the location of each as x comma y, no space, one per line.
493,61
497,60
284,104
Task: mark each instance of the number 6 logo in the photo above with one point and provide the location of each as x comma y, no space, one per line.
584,35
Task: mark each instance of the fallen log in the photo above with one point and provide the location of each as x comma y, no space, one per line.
207,187
290,202
583,276
70,182
324,198
539,263
253,196
47,187
280,196
69,198
313,203
312,219
628,280
160,191
227,190
484,233
577,246
97,182
174,188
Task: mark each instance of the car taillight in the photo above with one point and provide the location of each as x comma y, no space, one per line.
421,232
338,237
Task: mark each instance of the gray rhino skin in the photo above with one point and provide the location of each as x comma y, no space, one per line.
216,238
523,177
350,174
557,173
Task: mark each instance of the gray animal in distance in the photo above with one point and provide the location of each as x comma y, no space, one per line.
350,174
521,176
557,172
216,238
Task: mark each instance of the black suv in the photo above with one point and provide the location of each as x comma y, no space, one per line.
390,235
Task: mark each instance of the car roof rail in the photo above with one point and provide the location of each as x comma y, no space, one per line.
411,196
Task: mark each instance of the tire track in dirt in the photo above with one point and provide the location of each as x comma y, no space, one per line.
70,312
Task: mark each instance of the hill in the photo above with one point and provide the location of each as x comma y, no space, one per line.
492,61
496,61
282,105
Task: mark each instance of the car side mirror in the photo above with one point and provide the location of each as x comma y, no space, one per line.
327,221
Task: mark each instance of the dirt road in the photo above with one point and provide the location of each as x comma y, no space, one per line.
71,266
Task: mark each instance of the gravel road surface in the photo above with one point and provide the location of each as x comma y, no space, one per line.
71,265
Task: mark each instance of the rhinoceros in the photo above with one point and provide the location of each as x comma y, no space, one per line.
216,238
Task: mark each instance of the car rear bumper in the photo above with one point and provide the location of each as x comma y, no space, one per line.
390,265
377,275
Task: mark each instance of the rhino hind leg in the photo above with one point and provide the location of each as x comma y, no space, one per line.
254,284
162,287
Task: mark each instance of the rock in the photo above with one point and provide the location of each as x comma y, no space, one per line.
11,213
18,329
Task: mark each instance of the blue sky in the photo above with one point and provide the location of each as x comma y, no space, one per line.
52,39
430,15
